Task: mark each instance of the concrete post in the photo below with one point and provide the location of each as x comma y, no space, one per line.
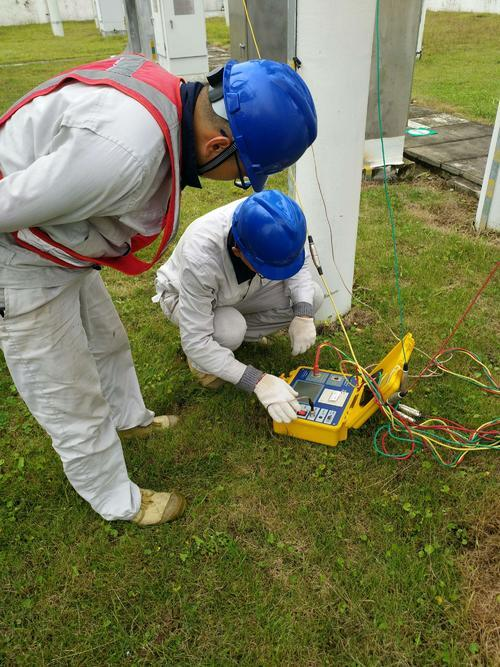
334,43
488,210
139,24
398,26
420,38
132,22
55,18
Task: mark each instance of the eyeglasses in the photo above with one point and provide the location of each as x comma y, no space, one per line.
241,181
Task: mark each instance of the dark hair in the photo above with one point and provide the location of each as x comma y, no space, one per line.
209,115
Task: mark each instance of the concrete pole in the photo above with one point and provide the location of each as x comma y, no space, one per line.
334,43
398,30
488,210
96,18
55,18
420,40
132,23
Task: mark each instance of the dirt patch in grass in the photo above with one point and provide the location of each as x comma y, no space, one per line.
439,205
454,211
481,571
357,317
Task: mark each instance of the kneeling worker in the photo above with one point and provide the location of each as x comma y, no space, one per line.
238,274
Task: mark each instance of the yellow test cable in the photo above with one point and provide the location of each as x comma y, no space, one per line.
251,27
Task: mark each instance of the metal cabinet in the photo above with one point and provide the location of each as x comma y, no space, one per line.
180,36
110,17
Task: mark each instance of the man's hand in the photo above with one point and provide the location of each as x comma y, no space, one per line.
278,397
302,334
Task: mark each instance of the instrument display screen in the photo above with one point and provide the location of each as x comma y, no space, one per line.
308,389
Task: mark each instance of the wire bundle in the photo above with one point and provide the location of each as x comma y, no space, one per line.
489,385
448,441
437,433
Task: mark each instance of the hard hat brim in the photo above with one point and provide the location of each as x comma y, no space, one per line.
277,272
257,180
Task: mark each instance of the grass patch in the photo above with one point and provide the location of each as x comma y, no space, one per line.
460,68
218,32
35,42
31,54
289,554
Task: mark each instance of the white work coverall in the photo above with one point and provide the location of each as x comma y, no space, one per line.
88,165
198,291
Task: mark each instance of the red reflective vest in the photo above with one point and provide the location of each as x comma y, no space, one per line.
159,92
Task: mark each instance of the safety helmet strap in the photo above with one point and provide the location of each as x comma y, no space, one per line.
242,181
218,159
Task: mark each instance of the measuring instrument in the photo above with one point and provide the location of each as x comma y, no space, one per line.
332,402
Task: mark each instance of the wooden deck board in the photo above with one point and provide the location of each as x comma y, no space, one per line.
446,133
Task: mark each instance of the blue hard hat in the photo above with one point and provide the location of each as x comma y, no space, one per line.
271,114
270,230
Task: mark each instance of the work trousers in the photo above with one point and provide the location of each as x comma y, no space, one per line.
264,313
69,356
268,310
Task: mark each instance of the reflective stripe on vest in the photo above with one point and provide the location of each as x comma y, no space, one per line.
159,92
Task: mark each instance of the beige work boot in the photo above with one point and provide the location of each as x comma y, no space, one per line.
159,423
205,379
159,507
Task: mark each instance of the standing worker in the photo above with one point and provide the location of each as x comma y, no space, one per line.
93,163
238,274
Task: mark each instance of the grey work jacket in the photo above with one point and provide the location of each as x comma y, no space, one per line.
199,277
86,164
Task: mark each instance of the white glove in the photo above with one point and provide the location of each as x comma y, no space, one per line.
302,334
278,397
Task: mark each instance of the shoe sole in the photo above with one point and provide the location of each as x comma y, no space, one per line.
178,512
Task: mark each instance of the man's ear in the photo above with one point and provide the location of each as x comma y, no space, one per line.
216,145
236,251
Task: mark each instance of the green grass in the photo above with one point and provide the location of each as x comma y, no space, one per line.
35,42
218,32
460,68
30,54
289,553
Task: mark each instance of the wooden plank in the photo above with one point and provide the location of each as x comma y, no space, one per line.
450,152
464,185
472,170
460,132
417,111
439,119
